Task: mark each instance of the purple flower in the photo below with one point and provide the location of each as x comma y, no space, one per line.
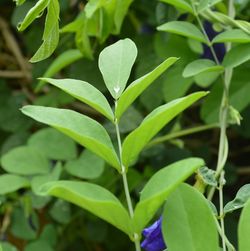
153,237
219,48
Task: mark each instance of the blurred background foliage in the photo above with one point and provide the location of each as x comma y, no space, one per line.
31,154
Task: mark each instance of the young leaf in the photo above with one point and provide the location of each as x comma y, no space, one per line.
139,85
152,124
237,56
63,60
50,34
182,4
25,160
188,222
84,92
244,228
115,63
33,14
93,198
201,66
234,36
82,129
241,198
160,186
184,29
11,183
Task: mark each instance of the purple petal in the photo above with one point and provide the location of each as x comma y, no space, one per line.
154,239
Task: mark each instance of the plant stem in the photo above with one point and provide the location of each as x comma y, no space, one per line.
224,107
182,133
125,183
223,236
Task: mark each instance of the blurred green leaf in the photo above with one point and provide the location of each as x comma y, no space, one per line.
63,60
160,186
233,36
39,180
237,56
188,221
240,200
24,227
16,182
38,245
87,166
244,228
91,197
184,29
139,85
25,160
201,66
33,13
82,129
182,4
84,92
53,144
152,124
61,211
50,34
115,63
7,247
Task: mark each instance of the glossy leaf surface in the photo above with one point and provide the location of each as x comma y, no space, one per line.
82,129
84,92
152,124
139,85
188,221
115,63
160,186
93,198
234,36
201,66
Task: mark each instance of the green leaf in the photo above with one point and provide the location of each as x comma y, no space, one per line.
25,160
208,176
33,13
201,66
81,128
38,245
23,226
237,56
115,63
160,186
207,78
188,222
184,29
93,198
53,144
239,93
61,211
87,166
50,34
84,92
7,247
233,36
182,4
19,2
63,60
205,4
139,85
241,198
16,182
39,180
244,228
152,124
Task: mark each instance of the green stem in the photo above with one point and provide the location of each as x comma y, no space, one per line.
125,183
182,133
224,107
